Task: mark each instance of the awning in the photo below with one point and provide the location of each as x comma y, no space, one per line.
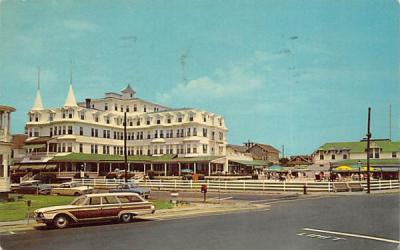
34,146
251,163
34,166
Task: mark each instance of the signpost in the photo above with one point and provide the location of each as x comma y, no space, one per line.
368,151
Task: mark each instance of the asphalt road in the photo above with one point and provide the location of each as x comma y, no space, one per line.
290,224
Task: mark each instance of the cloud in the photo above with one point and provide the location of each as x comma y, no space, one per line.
235,79
79,25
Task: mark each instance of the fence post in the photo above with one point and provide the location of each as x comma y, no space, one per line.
191,184
284,186
380,185
175,185
83,181
225,184
244,185
263,185
390,183
329,186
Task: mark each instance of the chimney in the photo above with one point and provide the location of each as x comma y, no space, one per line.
88,102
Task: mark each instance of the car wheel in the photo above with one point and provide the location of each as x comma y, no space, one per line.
76,194
125,218
146,196
61,221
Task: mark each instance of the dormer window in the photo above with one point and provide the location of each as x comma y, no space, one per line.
144,108
108,120
205,119
158,121
96,118
82,116
105,106
169,120
116,107
148,122
127,108
134,108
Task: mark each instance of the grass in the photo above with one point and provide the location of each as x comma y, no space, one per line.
12,211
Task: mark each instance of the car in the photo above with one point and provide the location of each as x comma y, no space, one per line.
71,188
31,187
132,187
95,207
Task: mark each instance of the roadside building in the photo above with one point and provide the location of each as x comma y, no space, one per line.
263,152
89,136
5,149
384,156
241,162
300,161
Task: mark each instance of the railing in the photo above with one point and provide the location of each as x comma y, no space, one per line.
245,185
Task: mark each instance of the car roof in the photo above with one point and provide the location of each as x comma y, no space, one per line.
112,194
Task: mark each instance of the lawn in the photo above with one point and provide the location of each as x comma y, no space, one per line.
11,211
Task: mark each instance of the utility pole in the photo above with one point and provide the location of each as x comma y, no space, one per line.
125,155
283,151
390,121
368,150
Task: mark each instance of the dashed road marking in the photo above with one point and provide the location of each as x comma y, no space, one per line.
319,236
352,235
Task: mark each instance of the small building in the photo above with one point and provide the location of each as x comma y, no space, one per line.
263,152
300,161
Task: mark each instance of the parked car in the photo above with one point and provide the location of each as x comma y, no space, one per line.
95,207
71,188
132,187
31,187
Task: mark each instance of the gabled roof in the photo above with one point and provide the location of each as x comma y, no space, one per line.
266,147
70,101
300,160
238,148
359,147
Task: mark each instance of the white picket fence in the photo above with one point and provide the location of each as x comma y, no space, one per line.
242,185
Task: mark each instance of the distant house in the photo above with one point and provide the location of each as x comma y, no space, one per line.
263,152
18,151
300,161
241,161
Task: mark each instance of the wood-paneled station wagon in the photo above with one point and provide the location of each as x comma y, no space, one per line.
95,207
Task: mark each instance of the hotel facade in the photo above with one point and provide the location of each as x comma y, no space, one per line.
89,136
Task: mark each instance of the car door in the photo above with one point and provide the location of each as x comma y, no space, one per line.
110,206
90,211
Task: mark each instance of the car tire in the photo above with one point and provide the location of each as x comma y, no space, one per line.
126,218
61,221
76,194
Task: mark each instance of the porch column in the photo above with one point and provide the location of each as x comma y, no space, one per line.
179,168
194,167
144,168
151,167
129,167
98,168
209,168
165,169
110,167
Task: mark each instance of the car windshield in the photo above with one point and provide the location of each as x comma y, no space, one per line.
78,201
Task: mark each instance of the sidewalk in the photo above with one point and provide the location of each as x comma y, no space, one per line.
193,209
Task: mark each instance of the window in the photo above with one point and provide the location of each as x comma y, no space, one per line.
127,108
108,120
188,132
129,199
204,132
70,130
180,119
205,148
194,132
138,123
105,106
194,149
82,116
80,148
158,121
109,200
394,155
333,156
191,118
148,122
96,119
205,119
64,130
134,108
144,108
376,155
116,107
344,156
80,130
161,133
51,132
169,120
70,115
55,130
95,201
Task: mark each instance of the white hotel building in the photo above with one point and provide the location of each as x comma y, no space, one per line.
90,135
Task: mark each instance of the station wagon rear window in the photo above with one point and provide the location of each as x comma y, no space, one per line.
129,199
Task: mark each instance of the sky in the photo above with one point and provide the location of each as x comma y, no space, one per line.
282,72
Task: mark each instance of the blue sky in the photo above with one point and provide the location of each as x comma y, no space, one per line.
298,73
